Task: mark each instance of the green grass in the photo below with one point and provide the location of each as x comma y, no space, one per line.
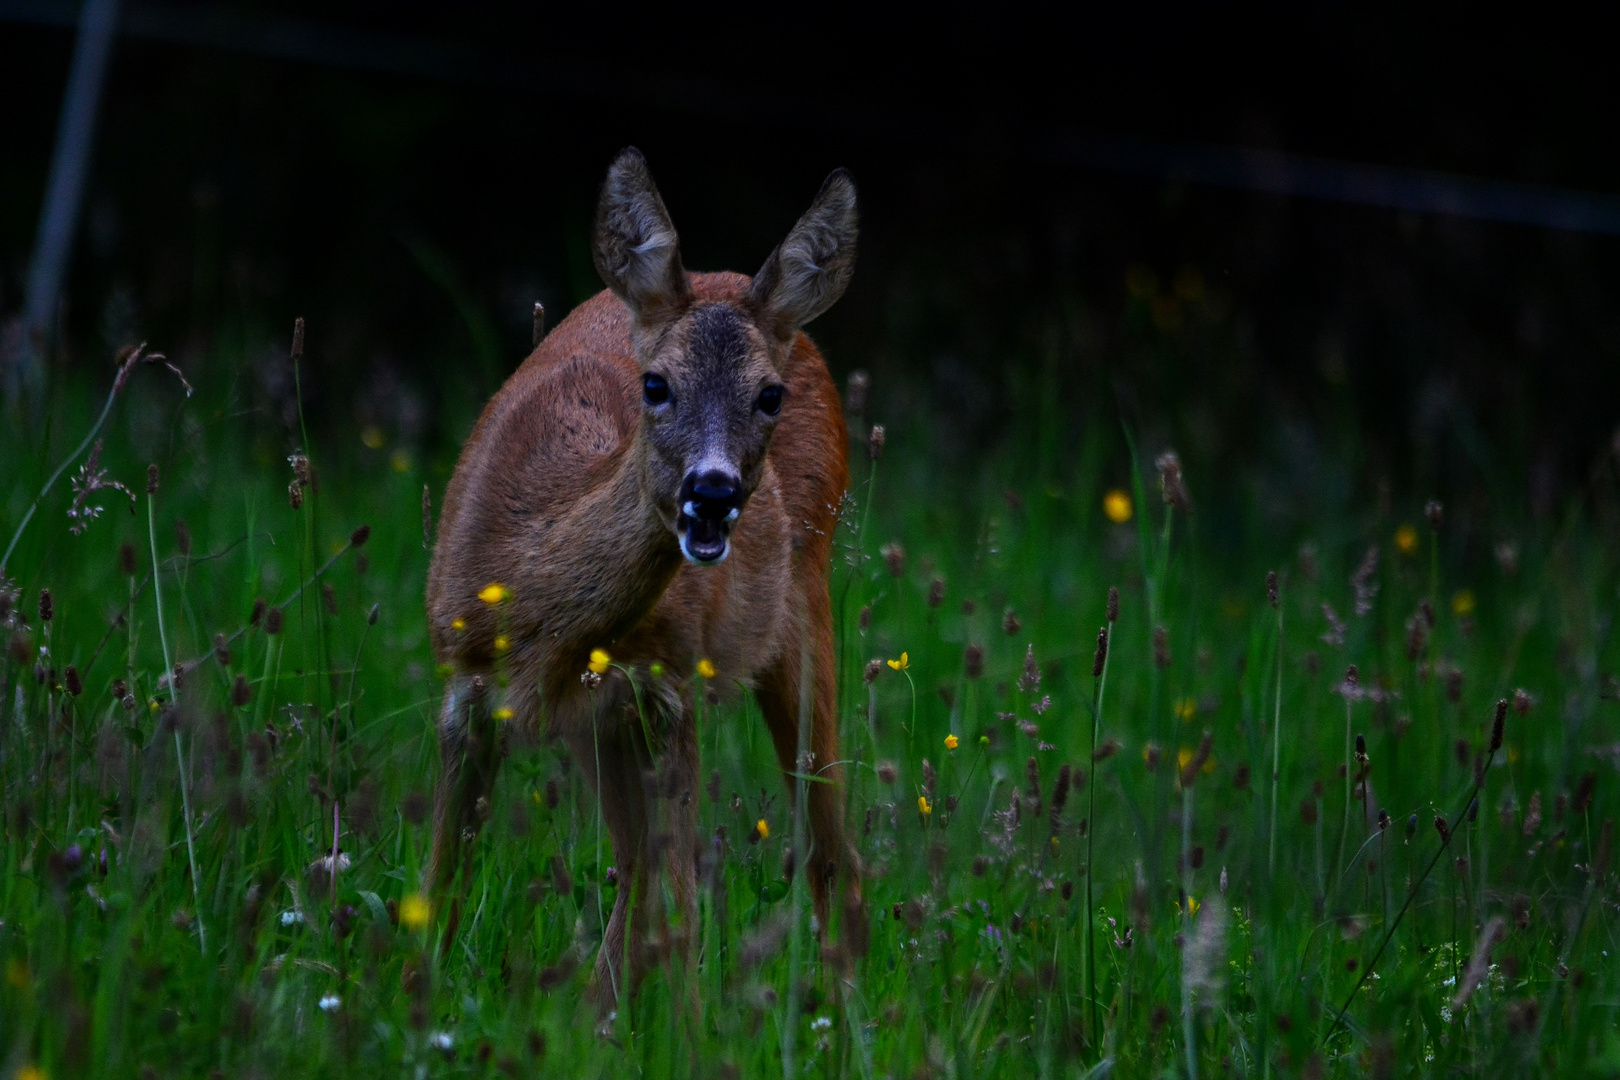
118,962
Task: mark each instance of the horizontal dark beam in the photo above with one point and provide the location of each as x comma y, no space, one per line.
1264,171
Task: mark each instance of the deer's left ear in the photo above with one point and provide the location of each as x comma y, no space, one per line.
809,271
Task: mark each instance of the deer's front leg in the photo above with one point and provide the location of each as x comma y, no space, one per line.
469,758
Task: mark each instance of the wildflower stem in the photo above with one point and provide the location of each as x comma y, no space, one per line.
1445,842
1091,832
174,696
1276,750
95,429
1349,779
1189,1025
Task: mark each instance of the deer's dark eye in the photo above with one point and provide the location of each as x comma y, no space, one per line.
654,389
770,400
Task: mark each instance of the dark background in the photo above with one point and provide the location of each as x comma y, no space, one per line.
412,177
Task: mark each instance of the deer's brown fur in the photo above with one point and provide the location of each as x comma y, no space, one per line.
563,494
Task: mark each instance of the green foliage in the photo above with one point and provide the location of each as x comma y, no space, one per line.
118,962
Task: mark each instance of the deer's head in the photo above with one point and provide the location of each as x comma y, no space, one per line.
712,371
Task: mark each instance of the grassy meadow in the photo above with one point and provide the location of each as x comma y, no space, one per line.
1074,867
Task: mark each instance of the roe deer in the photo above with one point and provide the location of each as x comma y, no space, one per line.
658,480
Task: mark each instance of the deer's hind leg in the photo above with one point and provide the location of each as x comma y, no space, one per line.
650,809
779,690
469,758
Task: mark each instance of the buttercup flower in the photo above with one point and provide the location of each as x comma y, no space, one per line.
1406,540
705,668
762,829
952,742
494,593
502,643
503,713
901,664
1462,604
599,661
1117,506
458,625
1186,709
414,911
924,807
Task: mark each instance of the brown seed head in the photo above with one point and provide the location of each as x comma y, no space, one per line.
874,668
1442,828
1171,483
1352,676
1060,792
298,338
973,661
120,689
895,556
1272,596
1150,756
257,614
865,619
240,694
886,772
1161,647
1497,724
272,621
1100,657
936,592
1010,624
295,495
1522,701
1108,749
71,682
222,651
1426,609
1189,772
126,558
151,479
875,441
47,607
856,392
1030,681
1113,604
1435,513
359,537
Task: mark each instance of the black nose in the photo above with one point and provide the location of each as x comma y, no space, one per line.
711,496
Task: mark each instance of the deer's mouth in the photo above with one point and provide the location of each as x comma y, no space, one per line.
704,540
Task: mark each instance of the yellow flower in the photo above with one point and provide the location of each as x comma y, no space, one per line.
1117,506
31,1072
1184,755
1406,540
154,706
706,668
494,593
952,742
762,829
1186,709
503,713
1462,604
17,974
372,437
901,664
400,462
599,661
458,624
414,911
1191,907
502,643
923,806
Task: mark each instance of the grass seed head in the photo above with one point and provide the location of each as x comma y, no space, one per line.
936,592
875,441
47,607
886,772
1030,681
1010,624
857,391
222,651
1497,725
1161,647
1113,605
71,682
973,661
1100,657
1171,482
272,621
1441,827
1272,597
151,479
1435,513
359,537
894,555
240,694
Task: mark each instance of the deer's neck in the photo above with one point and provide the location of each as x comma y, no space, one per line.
617,562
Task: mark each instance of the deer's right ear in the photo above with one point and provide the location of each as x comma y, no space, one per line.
636,250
